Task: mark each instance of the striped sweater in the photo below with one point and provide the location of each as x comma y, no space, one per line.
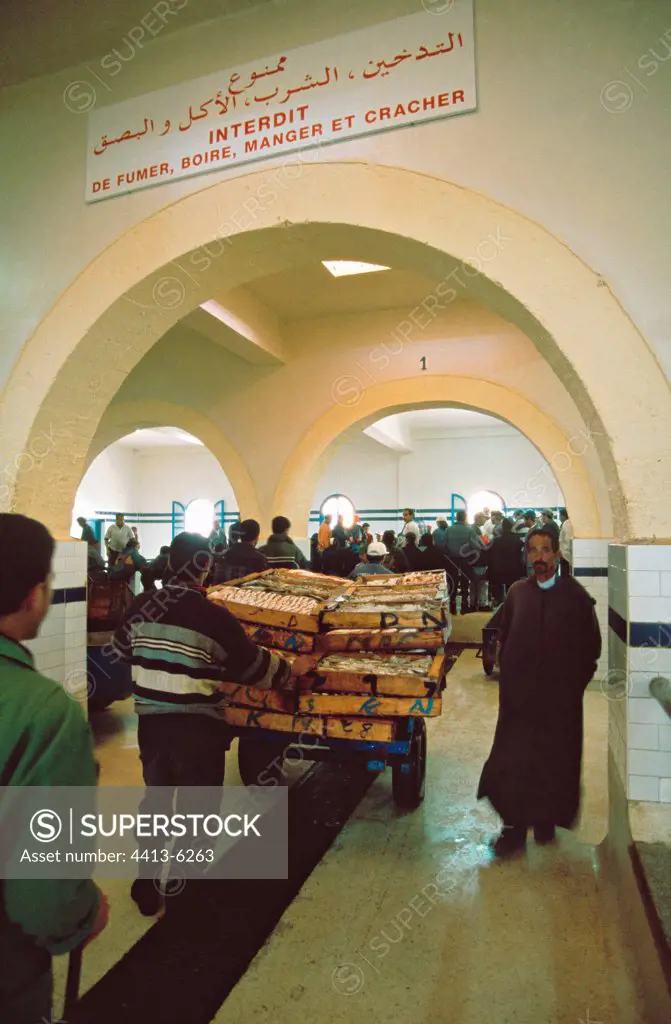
181,646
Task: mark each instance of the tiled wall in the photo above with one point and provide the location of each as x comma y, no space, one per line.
60,648
640,646
590,568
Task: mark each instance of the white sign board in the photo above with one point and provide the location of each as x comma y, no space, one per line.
399,73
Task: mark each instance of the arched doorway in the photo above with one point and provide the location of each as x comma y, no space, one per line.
565,455
163,480
83,350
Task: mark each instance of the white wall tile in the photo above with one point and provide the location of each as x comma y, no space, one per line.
646,712
665,791
643,737
664,737
649,609
650,762
45,662
643,787
665,582
650,659
649,556
639,684
641,583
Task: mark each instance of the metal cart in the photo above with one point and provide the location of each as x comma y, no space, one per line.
262,751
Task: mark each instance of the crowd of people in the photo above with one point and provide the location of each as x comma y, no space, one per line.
482,558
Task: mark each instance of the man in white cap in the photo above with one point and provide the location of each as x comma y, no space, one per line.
372,563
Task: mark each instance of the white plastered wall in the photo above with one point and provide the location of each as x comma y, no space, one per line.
567,308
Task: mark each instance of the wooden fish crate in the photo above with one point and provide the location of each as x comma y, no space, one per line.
275,721
433,580
283,640
408,639
284,599
376,613
349,704
389,675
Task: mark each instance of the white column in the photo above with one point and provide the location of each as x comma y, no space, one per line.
640,642
60,647
590,568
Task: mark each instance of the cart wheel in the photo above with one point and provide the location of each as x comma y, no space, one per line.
489,658
260,761
408,786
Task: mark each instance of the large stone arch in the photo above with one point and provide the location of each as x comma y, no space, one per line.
564,454
142,284
122,418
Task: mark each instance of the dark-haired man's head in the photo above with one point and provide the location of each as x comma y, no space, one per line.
542,552
389,539
411,540
563,515
506,525
547,516
119,519
131,545
280,525
530,518
190,558
426,540
408,514
249,531
461,516
497,516
26,550
81,521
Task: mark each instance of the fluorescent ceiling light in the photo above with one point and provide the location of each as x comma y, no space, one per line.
344,268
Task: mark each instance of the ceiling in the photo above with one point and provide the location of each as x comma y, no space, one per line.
311,291
158,437
41,37
445,419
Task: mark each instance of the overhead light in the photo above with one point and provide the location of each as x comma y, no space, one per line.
345,268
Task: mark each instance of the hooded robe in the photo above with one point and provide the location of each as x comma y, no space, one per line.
550,645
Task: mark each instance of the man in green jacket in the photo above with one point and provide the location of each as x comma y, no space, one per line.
280,544
44,741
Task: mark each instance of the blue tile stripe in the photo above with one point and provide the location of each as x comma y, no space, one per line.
68,595
590,570
641,634
617,624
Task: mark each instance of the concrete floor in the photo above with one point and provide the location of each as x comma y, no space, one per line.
407,917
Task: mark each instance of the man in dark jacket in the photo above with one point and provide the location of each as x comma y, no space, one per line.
182,646
550,645
280,544
87,532
440,534
505,564
44,741
243,558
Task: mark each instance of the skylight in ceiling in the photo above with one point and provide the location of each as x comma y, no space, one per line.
346,268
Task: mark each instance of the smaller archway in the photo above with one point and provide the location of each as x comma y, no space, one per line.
164,480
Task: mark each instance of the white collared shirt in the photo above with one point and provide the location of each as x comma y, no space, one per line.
118,536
